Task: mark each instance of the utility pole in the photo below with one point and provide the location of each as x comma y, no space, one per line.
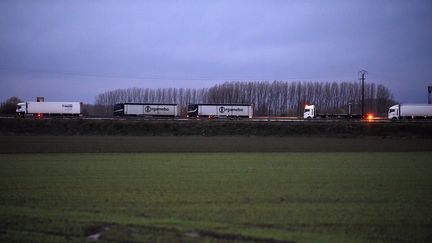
362,74
429,94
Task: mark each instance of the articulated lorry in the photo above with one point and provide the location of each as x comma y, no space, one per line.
49,109
311,111
410,111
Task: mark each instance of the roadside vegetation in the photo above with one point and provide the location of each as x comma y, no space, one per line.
214,128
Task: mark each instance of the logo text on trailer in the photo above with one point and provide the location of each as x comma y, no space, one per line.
223,109
150,109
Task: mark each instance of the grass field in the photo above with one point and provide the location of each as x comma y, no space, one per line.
166,197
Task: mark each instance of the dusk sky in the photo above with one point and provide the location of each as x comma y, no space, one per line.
74,50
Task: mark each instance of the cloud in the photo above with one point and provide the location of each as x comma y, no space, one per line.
86,42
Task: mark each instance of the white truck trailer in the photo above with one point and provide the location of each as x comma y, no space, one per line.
220,110
146,109
410,111
49,109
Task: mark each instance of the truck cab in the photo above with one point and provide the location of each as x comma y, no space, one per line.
192,110
21,109
309,112
393,112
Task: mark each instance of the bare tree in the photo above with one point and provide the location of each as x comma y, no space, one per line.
9,106
277,98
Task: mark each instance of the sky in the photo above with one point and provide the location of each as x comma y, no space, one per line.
72,50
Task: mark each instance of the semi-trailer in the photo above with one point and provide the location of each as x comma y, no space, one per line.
220,110
410,111
311,111
146,109
39,109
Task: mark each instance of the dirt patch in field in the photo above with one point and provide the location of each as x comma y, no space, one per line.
167,234
94,233
236,237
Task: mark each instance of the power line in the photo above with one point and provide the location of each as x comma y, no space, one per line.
166,78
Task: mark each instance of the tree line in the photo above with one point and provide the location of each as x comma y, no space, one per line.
9,106
277,98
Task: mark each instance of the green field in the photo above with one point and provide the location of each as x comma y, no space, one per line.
166,197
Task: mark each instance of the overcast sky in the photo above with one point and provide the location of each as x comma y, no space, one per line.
73,50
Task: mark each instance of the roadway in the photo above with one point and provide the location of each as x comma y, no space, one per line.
254,119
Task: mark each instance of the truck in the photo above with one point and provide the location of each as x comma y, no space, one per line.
146,109
40,109
220,110
311,112
410,111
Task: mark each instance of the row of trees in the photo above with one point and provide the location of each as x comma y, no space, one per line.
276,98
9,106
